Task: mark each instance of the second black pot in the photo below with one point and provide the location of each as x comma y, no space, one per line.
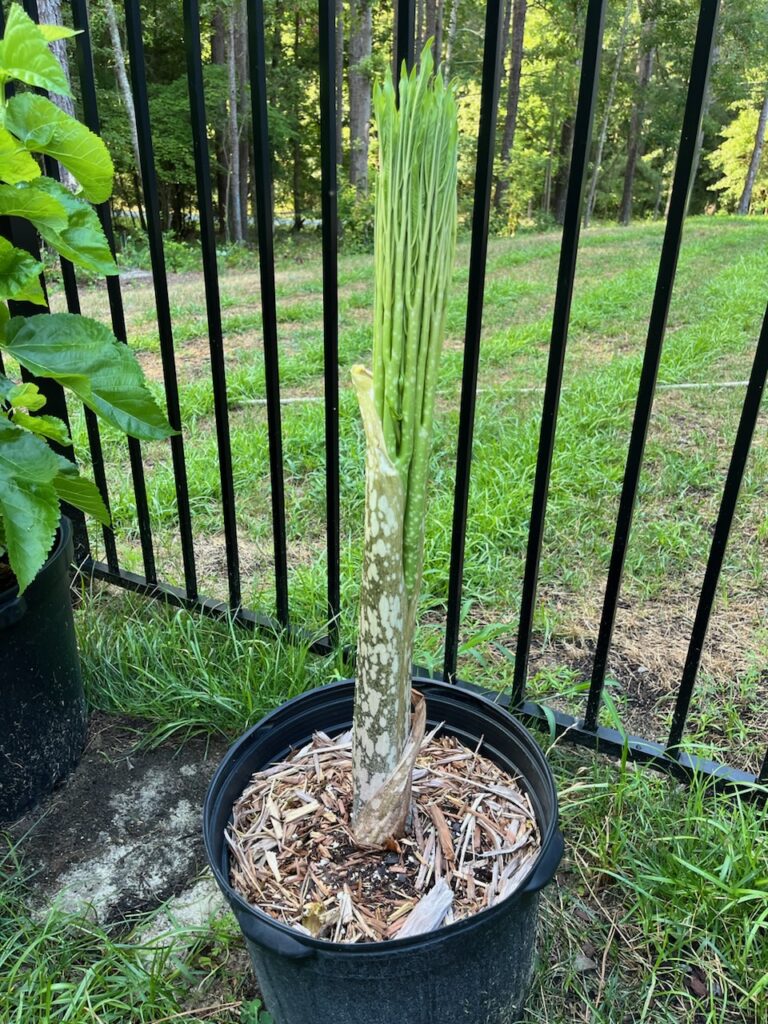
42,705
475,971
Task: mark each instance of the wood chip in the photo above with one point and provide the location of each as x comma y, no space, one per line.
429,912
472,838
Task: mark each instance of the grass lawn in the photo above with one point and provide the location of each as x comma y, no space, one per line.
659,913
717,306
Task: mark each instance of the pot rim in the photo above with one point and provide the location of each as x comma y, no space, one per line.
551,841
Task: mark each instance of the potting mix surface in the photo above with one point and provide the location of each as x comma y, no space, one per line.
471,838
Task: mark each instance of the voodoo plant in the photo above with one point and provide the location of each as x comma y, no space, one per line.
415,238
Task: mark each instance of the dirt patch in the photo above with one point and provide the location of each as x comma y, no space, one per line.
123,833
647,657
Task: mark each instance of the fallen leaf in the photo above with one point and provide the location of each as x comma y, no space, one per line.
697,982
582,963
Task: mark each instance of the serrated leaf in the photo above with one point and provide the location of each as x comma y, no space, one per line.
50,427
25,396
82,240
80,492
53,32
19,275
25,56
84,356
35,203
29,504
16,162
43,128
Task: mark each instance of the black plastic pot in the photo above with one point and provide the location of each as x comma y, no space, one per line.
42,706
475,971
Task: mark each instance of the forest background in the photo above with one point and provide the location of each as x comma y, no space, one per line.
645,67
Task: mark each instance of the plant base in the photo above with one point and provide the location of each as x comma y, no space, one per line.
475,971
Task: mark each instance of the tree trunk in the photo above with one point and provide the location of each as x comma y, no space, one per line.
233,141
754,164
519,11
546,199
49,13
706,103
339,79
125,92
430,19
439,17
219,57
419,21
359,93
563,167
452,26
592,192
635,136
660,188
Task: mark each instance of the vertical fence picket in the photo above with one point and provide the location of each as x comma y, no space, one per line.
329,211
212,296
135,40
265,226
405,18
733,480
478,252
681,187
585,110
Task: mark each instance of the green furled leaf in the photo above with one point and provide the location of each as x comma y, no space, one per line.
25,56
19,275
29,504
16,162
4,316
53,32
84,356
43,128
46,426
34,203
80,492
25,396
82,240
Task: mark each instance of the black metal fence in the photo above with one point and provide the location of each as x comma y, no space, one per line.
587,731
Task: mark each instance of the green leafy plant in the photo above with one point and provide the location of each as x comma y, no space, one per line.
415,239
80,354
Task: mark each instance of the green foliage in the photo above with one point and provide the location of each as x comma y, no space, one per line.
43,128
731,159
356,215
253,1012
25,55
84,356
19,275
80,354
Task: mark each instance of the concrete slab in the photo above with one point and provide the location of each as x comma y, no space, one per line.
123,834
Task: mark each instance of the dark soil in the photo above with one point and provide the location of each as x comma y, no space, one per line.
123,833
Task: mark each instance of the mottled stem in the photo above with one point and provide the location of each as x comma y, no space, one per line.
385,640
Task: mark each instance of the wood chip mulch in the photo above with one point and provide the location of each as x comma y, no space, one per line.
471,837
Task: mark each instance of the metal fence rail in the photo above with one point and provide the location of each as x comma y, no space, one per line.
588,731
